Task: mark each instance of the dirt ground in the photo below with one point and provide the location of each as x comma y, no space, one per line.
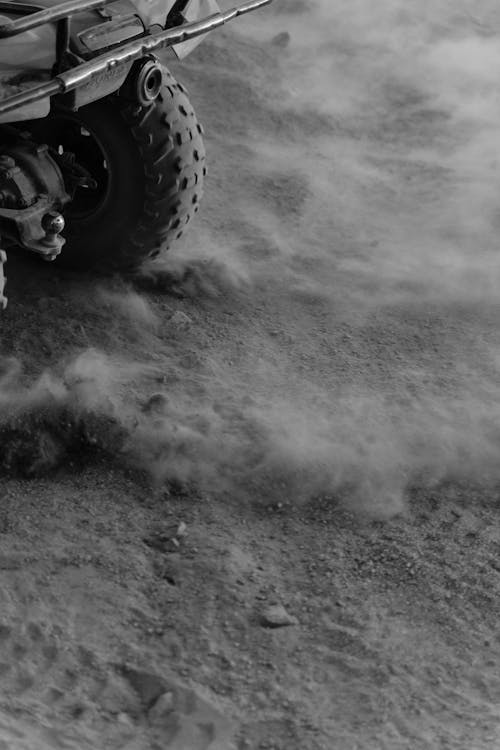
297,407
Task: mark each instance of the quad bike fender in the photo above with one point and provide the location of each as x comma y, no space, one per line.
107,64
34,111
25,60
92,32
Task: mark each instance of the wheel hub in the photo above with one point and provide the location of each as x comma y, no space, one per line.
31,189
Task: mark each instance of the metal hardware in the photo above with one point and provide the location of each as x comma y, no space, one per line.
24,227
144,81
52,224
74,174
32,191
104,64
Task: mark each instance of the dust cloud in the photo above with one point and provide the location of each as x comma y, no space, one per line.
410,167
350,233
372,190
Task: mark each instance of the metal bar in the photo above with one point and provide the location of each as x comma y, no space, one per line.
49,15
82,74
19,9
247,7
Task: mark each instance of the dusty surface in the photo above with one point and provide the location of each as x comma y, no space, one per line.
324,431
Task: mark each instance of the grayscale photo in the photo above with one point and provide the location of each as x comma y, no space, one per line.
249,375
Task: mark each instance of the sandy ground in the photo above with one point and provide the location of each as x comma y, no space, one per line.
298,407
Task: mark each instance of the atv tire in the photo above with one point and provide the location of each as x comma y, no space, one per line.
148,163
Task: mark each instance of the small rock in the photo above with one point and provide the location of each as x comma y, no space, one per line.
276,616
124,718
156,404
168,538
281,40
148,686
181,530
181,320
165,704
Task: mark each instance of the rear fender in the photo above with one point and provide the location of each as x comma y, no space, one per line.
38,46
107,70
92,33
33,111
25,60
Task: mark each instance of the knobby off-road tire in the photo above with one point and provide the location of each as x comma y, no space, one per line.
149,187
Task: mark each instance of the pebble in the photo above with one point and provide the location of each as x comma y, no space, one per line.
163,705
181,320
181,530
148,686
276,616
124,718
156,404
282,39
